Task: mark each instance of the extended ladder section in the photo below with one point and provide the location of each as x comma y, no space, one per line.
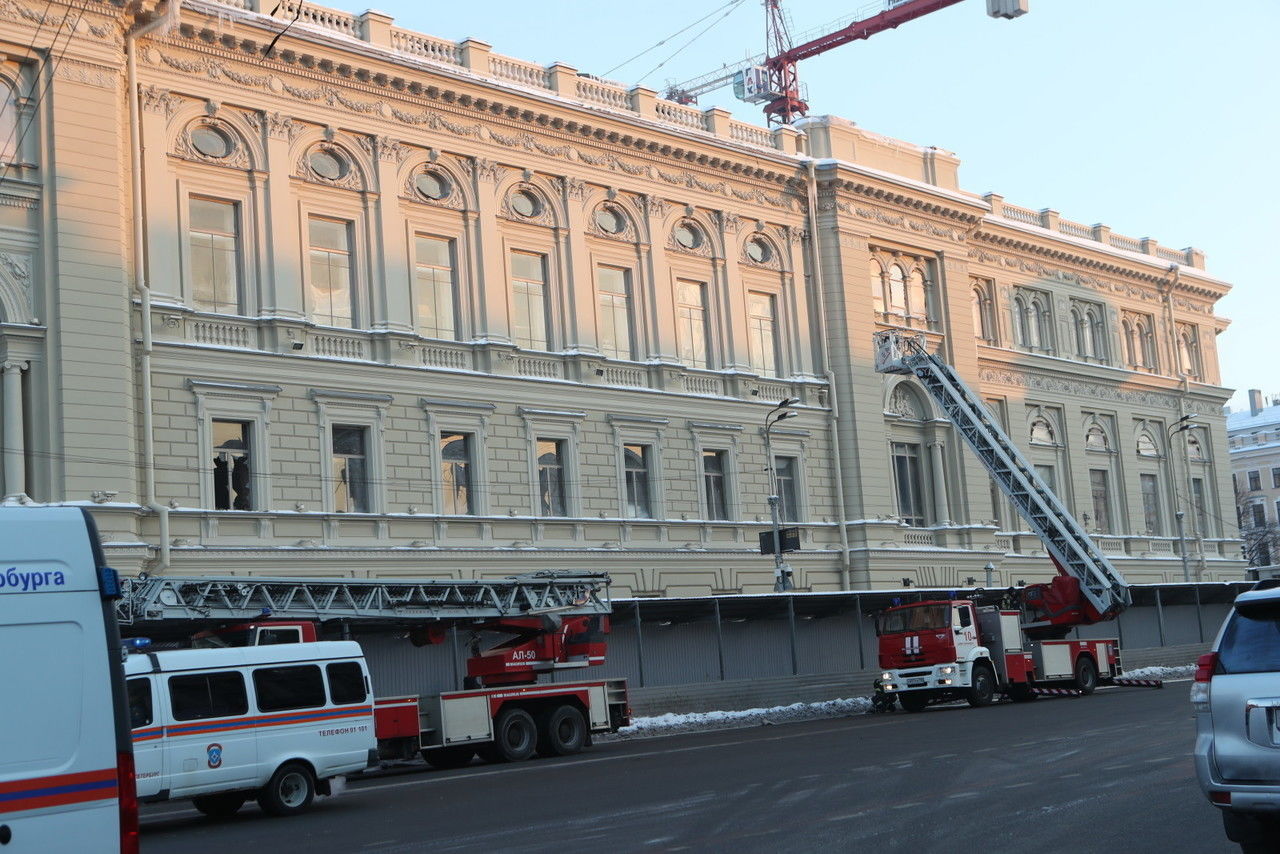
1070,546
391,601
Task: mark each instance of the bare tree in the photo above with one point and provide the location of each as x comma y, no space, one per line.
1261,537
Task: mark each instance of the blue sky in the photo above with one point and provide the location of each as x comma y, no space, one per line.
1156,117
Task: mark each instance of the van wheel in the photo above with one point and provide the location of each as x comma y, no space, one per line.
289,791
982,688
223,805
562,731
444,758
515,737
1086,675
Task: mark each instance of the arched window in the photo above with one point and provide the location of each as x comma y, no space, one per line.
1195,449
1042,431
1040,316
876,274
982,315
1095,439
1080,331
917,298
9,121
1130,344
897,290
1147,446
1188,352
1022,325
1147,341
1097,343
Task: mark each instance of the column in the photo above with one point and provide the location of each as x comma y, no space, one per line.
15,453
391,253
941,512
491,320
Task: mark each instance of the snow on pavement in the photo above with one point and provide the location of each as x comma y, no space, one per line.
671,723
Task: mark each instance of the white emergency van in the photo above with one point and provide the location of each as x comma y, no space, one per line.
66,766
277,723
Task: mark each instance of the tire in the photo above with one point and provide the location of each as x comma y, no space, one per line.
562,731
454,756
222,805
913,701
1253,833
1020,692
515,737
289,791
982,686
1086,680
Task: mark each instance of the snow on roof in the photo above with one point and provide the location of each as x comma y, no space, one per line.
1242,420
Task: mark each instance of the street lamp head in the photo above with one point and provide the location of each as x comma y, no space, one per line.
790,413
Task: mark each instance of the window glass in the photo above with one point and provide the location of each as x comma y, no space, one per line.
287,634
713,480
210,141
330,278
762,334
908,483
1101,494
214,246
1251,641
786,471
346,683
348,471
282,688
614,303
455,474
140,713
433,287
691,323
232,472
1151,504
963,618
636,472
433,185
1255,481
207,695
528,296
551,490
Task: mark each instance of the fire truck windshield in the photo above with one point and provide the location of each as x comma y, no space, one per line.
915,618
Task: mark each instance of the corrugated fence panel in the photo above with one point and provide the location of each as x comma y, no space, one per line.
398,667
828,644
680,653
757,649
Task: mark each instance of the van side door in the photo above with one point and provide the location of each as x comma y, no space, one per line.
146,721
210,740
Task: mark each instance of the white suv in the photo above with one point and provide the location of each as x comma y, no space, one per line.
1236,696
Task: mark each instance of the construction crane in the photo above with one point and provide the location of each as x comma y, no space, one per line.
772,79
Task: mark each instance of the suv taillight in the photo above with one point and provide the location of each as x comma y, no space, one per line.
127,792
1205,667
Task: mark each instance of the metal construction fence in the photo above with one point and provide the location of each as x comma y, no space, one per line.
669,642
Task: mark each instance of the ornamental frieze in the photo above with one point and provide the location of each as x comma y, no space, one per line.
1057,273
829,203
1094,391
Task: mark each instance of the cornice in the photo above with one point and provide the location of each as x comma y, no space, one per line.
1206,400
338,82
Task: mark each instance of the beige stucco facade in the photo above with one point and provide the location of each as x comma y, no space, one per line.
331,258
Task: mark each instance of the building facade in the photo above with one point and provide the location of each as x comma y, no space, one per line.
1253,438
375,303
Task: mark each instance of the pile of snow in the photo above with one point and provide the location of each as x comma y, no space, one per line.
1182,671
695,721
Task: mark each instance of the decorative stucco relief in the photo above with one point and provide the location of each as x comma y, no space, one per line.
829,203
86,73
1082,389
16,299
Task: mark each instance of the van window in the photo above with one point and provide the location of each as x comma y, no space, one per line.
207,695
281,688
346,682
139,702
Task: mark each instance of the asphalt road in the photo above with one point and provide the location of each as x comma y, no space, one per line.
1111,772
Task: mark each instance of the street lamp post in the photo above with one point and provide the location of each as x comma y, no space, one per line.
1182,425
781,572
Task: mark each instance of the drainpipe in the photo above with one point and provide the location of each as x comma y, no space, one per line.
834,421
140,283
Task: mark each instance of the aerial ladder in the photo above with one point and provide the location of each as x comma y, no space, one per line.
948,649
522,627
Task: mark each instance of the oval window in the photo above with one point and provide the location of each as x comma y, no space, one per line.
525,203
610,221
688,235
432,185
759,250
327,164
210,141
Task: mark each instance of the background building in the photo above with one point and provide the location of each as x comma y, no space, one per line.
378,303
1253,437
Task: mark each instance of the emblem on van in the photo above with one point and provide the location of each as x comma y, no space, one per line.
215,755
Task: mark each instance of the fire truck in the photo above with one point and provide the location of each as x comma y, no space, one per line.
1013,643
522,629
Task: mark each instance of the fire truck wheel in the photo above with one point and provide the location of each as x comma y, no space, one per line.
913,701
1086,675
444,758
561,731
222,805
983,688
289,791
515,737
